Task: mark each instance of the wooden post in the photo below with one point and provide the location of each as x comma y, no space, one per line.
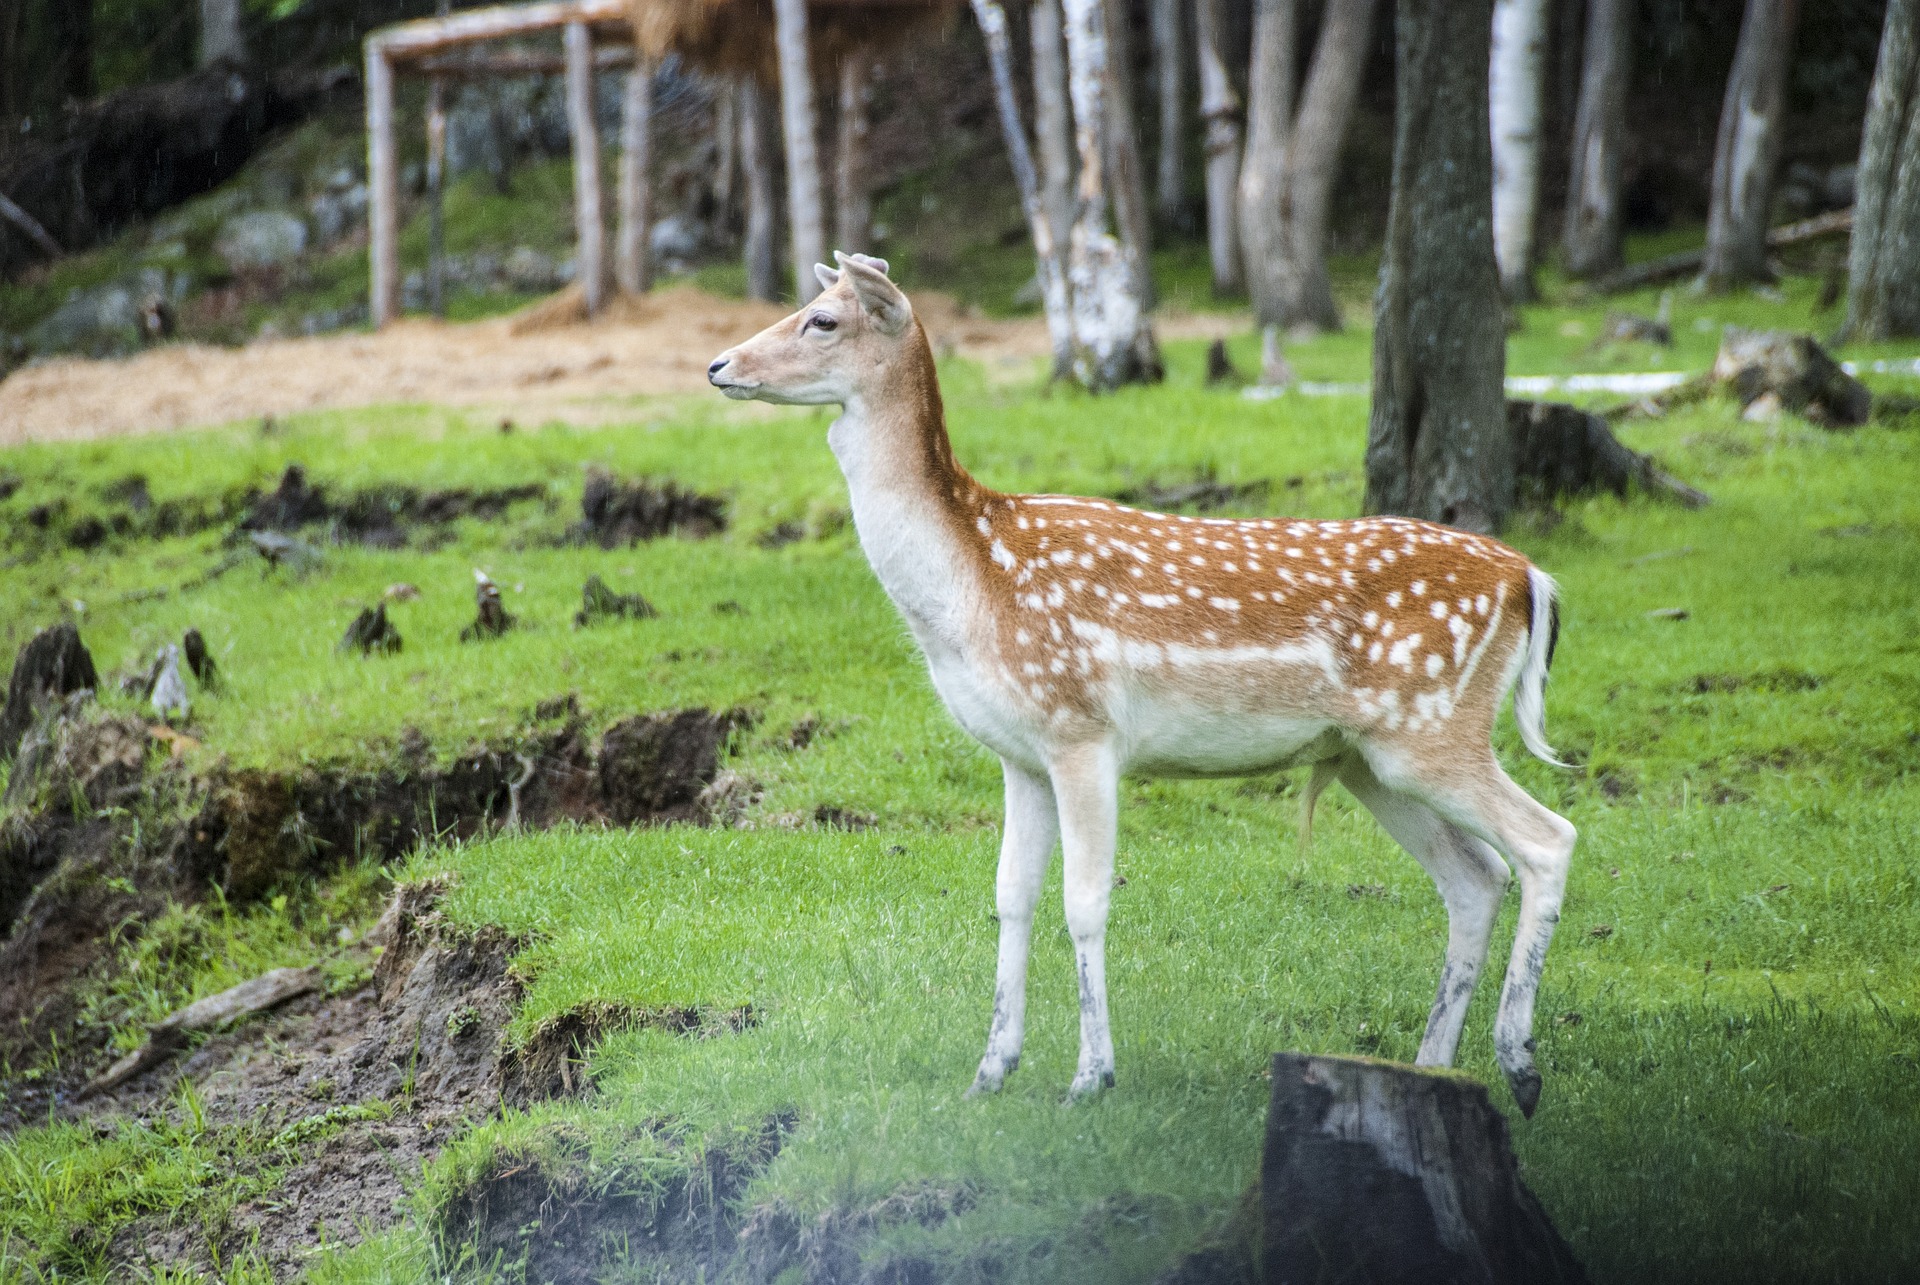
633,266
590,230
383,187
803,149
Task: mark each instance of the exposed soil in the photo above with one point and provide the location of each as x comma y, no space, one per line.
579,372
615,513
379,516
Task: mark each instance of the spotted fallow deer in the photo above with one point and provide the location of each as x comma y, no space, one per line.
1080,640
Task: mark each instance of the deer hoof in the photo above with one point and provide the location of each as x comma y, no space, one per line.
1088,1085
993,1073
1525,1083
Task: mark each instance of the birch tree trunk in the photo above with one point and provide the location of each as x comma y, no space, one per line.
1046,250
759,161
1052,124
853,196
804,215
1437,441
1220,110
1263,163
632,263
590,229
1127,173
1514,88
1748,147
1112,342
220,32
1883,292
1591,239
1313,154
726,160
1170,80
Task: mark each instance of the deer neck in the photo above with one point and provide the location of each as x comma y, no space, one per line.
908,492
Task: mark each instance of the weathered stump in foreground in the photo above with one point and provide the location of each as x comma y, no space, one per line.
1563,450
1376,1172
1775,370
52,664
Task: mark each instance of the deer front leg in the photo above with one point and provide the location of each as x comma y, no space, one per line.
1086,782
1025,845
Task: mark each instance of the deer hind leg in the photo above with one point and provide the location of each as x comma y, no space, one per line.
1086,782
1025,845
1478,796
1472,880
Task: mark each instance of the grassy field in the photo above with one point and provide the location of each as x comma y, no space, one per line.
1730,1030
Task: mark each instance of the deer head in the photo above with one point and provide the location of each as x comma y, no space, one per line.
848,338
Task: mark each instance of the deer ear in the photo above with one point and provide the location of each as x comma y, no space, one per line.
872,262
879,298
828,277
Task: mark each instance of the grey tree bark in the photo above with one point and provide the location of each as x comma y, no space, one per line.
1170,80
589,220
632,263
1127,171
852,195
1263,161
1052,121
1883,287
1437,440
1319,133
220,35
73,36
1591,239
1514,90
1112,342
1747,150
804,214
1220,110
759,162
1047,251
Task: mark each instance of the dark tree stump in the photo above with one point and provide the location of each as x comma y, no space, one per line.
598,602
52,664
1562,450
1376,1172
371,631
1775,370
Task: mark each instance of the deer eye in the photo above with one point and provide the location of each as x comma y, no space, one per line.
820,321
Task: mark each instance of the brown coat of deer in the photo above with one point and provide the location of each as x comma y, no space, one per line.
1080,640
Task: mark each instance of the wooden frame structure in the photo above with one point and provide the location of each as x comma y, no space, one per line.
428,47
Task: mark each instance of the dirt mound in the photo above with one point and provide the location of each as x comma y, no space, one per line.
379,516
615,513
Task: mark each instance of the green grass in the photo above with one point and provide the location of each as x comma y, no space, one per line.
1749,798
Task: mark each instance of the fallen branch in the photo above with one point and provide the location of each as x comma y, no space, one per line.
1688,262
168,1035
31,226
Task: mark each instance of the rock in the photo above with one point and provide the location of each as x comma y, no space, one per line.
100,322
598,602
675,237
338,211
260,239
169,698
1375,1172
53,664
1795,371
530,270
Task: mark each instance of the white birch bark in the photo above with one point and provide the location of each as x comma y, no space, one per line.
1514,92
804,215
590,231
632,262
1052,125
1263,164
852,196
758,160
1220,109
1112,343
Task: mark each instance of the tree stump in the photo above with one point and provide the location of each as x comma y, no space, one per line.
1563,450
1376,1172
1775,370
54,663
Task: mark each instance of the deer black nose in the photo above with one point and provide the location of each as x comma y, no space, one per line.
719,364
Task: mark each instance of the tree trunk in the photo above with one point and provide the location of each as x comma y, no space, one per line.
1313,153
1170,79
589,217
11,14
1127,172
726,158
1052,123
1437,442
1378,1172
1112,343
1047,251
220,32
1883,289
1263,163
852,197
73,28
436,197
1591,241
1514,88
1748,147
1220,109
759,160
632,262
804,216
